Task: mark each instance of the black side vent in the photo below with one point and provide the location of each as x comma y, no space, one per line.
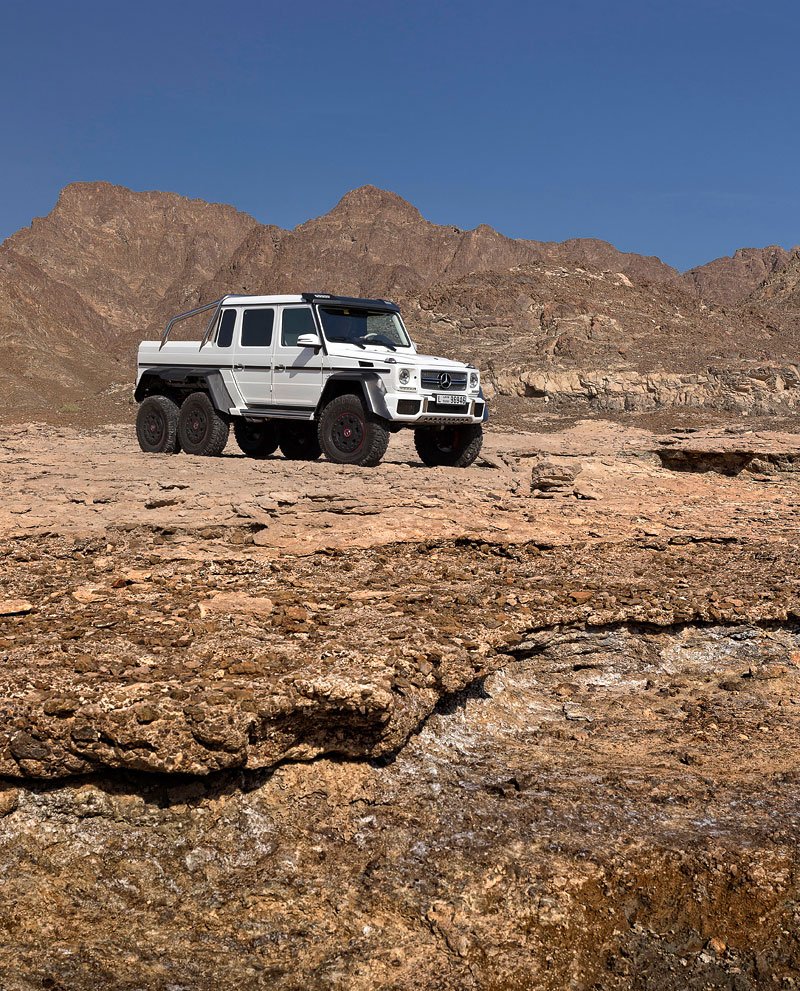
365,364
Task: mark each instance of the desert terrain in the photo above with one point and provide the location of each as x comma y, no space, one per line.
295,725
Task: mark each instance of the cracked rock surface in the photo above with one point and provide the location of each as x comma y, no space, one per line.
270,724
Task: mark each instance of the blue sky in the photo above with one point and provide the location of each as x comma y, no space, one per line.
668,128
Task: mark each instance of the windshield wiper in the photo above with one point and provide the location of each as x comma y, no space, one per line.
380,344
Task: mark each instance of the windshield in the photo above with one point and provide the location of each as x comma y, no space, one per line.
348,325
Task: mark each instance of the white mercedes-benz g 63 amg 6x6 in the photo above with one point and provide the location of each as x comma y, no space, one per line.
309,374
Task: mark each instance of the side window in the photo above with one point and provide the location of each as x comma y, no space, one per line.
296,321
225,332
257,328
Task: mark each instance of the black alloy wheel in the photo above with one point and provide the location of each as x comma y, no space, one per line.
298,441
201,429
453,446
256,440
350,435
348,432
157,426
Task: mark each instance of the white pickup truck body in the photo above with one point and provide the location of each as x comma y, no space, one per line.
273,359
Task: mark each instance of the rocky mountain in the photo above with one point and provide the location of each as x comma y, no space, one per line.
728,281
584,340
577,322
79,287
374,239
780,293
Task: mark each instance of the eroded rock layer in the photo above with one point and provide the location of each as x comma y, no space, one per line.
280,725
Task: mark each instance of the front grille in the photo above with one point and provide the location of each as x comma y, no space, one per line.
443,381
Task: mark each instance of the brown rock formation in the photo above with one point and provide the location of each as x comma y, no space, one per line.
729,281
346,729
79,287
779,296
579,324
374,243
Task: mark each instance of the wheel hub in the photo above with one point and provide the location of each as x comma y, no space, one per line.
196,427
154,427
348,433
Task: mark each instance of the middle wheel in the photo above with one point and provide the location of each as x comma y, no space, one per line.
256,440
201,430
350,435
298,441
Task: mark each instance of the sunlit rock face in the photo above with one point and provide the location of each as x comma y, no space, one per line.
270,723
108,267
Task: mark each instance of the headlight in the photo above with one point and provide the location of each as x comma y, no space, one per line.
404,376
473,380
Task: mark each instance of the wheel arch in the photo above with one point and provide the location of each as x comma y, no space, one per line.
368,386
179,382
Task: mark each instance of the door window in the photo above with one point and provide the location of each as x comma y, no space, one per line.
257,328
225,333
296,321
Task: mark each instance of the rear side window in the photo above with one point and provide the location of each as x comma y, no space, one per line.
295,322
225,333
257,328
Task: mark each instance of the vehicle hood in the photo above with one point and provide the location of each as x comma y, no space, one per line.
403,359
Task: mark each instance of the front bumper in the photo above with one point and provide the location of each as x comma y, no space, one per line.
422,407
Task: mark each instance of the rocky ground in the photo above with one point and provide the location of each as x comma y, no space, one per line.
292,725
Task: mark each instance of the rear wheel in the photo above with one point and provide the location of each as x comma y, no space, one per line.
256,440
350,435
454,446
298,441
201,429
157,426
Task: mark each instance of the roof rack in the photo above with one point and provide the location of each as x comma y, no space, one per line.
354,301
309,297
216,305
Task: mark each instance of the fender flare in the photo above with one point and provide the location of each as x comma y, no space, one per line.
186,379
369,384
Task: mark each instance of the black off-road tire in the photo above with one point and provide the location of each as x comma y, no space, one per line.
454,446
351,435
256,440
157,425
298,441
201,430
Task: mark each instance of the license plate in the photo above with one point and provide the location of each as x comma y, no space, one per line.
448,400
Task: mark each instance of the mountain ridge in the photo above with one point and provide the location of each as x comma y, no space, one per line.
108,266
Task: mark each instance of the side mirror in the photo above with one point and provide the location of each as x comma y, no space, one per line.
309,341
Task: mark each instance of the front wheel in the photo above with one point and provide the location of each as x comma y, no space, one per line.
350,435
201,429
157,426
256,440
298,441
451,446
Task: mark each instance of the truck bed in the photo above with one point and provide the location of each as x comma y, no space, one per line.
175,353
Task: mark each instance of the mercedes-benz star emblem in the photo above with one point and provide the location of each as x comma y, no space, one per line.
444,381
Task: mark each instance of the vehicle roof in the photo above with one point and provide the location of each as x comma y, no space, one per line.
232,299
310,297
